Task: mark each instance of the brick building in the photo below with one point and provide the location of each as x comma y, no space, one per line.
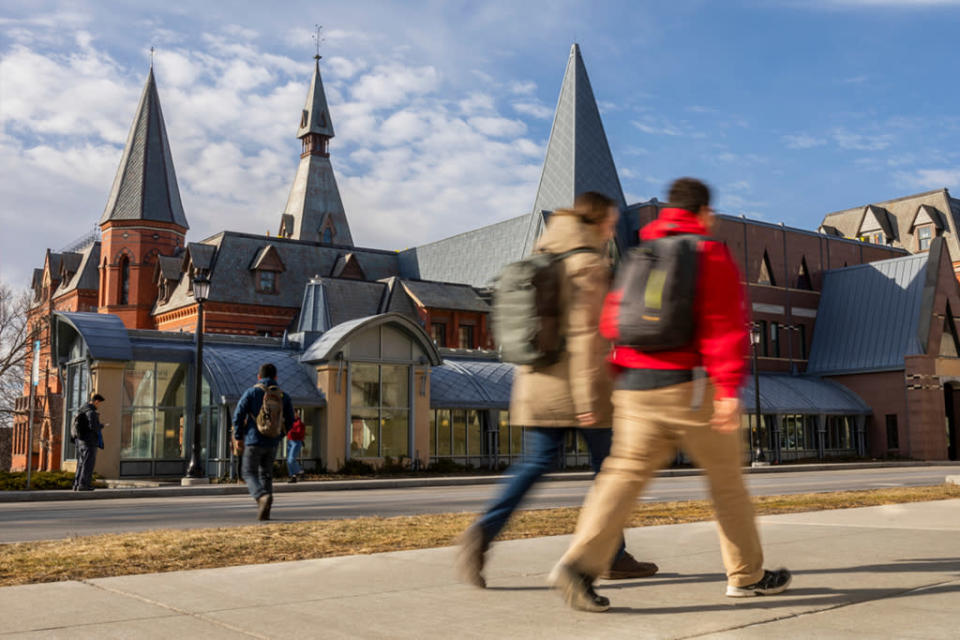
389,353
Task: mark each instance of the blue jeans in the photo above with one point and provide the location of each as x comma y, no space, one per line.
293,452
541,446
86,461
257,469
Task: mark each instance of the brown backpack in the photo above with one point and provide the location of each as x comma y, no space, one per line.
270,421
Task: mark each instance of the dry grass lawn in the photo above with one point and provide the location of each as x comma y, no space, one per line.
175,550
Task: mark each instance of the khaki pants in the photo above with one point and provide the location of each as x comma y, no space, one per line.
648,427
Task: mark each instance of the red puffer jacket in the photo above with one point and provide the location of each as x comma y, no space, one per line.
721,341
298,431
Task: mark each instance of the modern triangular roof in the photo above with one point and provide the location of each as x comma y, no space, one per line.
316,116
578,156
145,187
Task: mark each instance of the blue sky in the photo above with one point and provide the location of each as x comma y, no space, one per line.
442,109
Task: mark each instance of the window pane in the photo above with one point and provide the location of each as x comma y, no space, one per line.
516,440
171,384
364,385
459,432
364,437
443,432
309,417
474,434
504,426
136,434
394,432
168,434
138,384
395,387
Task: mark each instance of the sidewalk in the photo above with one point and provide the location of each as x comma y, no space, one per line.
877,572
174,490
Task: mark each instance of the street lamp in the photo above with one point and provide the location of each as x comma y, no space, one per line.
755,337
201,289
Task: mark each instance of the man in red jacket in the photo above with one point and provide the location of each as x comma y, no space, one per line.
659,405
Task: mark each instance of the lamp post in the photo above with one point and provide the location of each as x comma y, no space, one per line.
755,338
195,470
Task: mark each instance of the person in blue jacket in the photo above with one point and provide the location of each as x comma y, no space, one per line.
258,450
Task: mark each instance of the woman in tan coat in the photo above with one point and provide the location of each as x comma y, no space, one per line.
573,392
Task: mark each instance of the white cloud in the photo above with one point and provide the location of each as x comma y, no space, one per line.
392,84
477,103
929,178
861,142
534,109
498,127
803,141
526,88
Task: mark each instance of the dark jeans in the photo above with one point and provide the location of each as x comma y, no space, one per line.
541,446
257,469
86,460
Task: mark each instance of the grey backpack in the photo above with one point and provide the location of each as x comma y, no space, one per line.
527,311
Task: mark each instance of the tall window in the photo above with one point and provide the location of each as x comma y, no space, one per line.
124,281
379,410
77,379
154,397
466,337
802,332
764,346
924,236
775,339
440,333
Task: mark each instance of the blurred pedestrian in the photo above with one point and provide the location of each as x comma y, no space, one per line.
571,391
295,438
682,324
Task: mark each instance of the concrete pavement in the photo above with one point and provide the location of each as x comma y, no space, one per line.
877,572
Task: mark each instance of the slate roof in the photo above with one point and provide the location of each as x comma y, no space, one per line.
170,267
232,280
233,369
802,394
350,299
440,295
200,255
86,274
471,384
104,334
475,257
869,315
145,187
313,197
578,157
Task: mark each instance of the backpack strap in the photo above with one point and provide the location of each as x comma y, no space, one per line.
567,254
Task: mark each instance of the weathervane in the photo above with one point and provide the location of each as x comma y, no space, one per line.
318,40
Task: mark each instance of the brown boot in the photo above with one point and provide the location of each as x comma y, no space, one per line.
626,567
470,557
263,506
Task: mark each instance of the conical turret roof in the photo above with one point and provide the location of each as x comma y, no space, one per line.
316,115
578,156
145,187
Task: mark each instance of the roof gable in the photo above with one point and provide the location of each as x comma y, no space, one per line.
267,259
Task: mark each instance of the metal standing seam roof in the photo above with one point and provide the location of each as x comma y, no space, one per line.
471,384
868,318
104,334
802,394
233,369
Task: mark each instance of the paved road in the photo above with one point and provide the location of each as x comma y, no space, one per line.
22,521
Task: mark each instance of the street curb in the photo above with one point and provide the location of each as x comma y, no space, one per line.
410,483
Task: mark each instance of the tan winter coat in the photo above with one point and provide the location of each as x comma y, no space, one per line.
580,381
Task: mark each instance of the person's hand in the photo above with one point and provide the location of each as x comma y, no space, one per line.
586,419
726,415
238,447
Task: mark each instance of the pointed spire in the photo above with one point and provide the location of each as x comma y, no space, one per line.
145,187
578,156
316,116
314,211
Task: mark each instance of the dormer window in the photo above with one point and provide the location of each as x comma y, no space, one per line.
924,237
267,282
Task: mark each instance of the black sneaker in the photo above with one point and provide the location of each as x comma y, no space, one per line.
263,503
576,589
772,582
292,480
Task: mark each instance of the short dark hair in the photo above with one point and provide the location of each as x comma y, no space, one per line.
592,207
690,194
267,370
96,397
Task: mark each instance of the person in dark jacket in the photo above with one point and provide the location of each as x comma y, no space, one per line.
258,450
88,440
659,404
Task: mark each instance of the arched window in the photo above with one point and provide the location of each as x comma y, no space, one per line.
327,236
124,297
